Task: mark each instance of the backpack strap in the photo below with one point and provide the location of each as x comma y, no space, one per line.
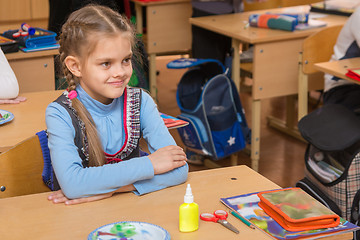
241,115
47,173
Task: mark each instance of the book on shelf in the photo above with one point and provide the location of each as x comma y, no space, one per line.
247,205
173,122
353,73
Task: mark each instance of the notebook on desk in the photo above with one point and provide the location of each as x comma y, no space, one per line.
312,23
353,73
337,7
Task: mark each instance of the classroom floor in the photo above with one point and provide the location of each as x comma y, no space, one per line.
281,156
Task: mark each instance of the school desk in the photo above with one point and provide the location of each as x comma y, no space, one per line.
33,216
339,68
336,68
167,30
29,117
275,63
34,70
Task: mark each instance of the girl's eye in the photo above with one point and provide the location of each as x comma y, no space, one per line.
127,60
105,64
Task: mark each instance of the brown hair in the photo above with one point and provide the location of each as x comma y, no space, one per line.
79,36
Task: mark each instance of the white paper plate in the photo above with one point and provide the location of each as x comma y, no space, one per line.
129,230
6,116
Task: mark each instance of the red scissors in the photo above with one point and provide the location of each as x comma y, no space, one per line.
219,216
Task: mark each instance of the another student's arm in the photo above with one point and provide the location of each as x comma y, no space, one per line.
355,21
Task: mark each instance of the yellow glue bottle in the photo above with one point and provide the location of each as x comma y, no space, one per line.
188,213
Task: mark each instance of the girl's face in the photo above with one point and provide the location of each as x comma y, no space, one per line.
106,72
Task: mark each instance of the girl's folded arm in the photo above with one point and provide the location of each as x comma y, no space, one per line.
76,181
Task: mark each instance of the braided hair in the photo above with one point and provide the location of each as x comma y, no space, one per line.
79,36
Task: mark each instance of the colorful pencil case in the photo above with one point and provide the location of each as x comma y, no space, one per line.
40,38
273,21
295,210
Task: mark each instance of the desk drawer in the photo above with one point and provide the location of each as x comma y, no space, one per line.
34,74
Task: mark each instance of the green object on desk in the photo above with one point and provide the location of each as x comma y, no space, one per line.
246,222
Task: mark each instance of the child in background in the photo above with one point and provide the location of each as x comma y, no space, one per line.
341,91
94,128
9,89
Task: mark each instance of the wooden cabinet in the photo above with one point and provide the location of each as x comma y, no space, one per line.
34,71
13,13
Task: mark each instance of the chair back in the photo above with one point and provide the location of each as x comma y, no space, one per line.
316,48
21,168
255,5
290,3
319,47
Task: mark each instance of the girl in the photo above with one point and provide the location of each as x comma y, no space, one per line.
99,120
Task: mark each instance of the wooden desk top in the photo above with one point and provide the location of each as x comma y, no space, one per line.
23,55
29,117
339,68
35,217
234,26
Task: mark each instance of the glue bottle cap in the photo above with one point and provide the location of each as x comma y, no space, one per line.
188,198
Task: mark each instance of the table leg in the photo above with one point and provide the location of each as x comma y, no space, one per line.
255,134
152,76
236,63
235,75
302,92
234,159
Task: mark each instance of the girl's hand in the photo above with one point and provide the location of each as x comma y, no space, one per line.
13,101
59,197
167,158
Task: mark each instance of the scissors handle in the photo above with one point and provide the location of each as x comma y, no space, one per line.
221,214
208,217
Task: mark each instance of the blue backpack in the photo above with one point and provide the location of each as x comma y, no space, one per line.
208,99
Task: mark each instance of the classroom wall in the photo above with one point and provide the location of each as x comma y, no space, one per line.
14,12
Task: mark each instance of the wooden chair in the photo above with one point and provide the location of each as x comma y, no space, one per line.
21,168
316,48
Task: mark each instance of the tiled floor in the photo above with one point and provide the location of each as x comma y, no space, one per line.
281,156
